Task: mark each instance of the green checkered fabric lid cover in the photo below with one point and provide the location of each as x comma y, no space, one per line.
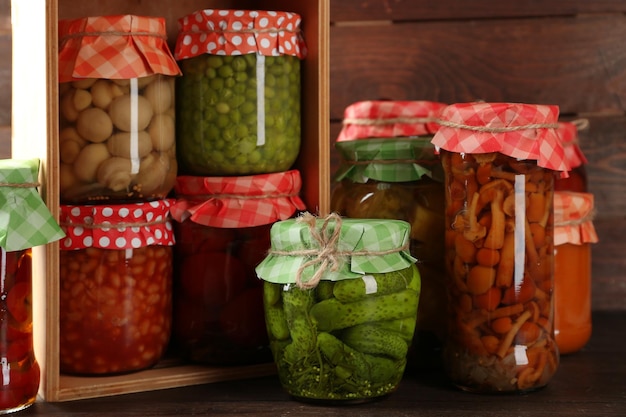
307,249
25,220
385,159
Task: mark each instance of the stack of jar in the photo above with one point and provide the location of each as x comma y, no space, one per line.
573,235
238,136
390,170
117,166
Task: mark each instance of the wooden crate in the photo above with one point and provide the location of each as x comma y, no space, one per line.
35,134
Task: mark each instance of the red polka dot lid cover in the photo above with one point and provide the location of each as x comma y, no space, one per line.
114,47
238,32
522,131
121,226
389,119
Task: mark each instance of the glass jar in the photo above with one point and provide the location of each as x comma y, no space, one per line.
26,223
115,287
239,96
499,244
116,110
389,170
222,227
573,235
341,298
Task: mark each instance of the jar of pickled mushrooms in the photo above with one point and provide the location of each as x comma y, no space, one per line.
116,105
500,162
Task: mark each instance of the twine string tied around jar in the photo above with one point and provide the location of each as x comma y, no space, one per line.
327,255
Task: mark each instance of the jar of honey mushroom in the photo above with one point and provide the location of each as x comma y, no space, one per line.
389,170
573,235
222,227
116,287
116,110
26,223
499,179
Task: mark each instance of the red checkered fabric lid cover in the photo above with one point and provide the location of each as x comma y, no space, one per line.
237,32
573,215
522,131
235,202
120,226
114,47
569,135
389,119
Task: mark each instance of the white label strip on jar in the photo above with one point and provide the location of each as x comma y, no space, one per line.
371,286
260,99
520,231
134,119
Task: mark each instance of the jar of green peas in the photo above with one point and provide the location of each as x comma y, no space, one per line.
240,91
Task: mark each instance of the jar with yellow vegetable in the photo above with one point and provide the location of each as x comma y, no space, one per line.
500,162
341,299
117,110
239,96
389,170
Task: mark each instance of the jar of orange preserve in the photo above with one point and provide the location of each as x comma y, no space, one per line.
573,235
500,161
115,294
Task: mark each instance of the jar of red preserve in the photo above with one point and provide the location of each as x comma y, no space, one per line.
116,287
222,232
26,223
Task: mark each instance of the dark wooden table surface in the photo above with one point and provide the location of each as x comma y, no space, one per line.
591,382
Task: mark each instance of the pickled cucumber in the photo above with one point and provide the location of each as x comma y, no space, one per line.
350,290
369,338
332,314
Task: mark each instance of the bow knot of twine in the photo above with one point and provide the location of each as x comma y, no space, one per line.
328,257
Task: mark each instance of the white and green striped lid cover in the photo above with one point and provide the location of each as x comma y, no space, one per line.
308,249
387,159
25,220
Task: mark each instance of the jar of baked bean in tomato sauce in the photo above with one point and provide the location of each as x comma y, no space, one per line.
26,223
116,110
390,170
500,161
573,235
116,287
239,99
222,229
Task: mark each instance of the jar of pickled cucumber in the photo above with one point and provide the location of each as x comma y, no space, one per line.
239,96
573,235
26,223
115,293
500,162
222,228
390,170
341,298
116,110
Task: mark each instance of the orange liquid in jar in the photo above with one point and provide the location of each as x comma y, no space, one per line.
19,379
572,297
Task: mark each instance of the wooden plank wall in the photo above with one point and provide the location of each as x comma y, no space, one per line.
571,53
